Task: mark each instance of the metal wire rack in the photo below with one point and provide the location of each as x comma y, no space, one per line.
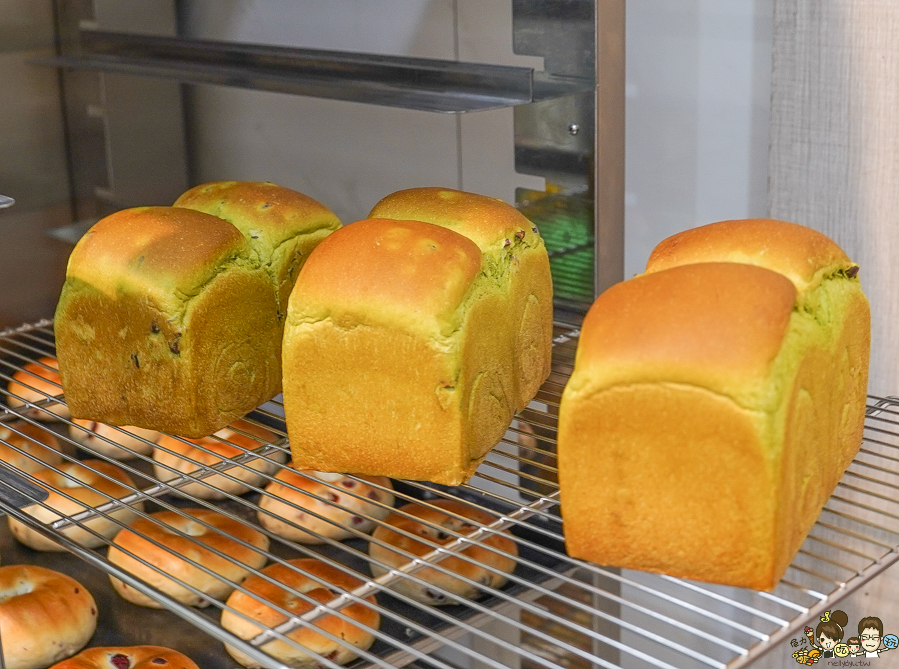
554,611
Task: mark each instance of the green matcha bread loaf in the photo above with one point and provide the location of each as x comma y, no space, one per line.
395,360
514,254
171,319
715,402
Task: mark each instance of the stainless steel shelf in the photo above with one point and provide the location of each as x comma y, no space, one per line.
555,611
411,83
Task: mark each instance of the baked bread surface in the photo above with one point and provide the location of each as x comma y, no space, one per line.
803,255
515,254
281,225
706,421
396,362
165,322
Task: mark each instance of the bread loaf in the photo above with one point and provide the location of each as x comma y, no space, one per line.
170,319
715,405
515,256
396,363
281,225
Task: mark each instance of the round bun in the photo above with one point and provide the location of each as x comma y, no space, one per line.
163,527
128,657
45,616
184,457
38,442
87,491
502,561
305,636
33,383
132,441
280,516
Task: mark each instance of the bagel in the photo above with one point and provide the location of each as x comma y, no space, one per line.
164,527
45,616
33,383
307,637
88,492
276,506
184,457
131,440
502,561
38,442
128,657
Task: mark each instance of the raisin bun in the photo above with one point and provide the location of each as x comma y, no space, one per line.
286,511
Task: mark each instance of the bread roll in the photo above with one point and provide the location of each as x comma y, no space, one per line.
41,444
492,558
185,457
129,441
281,225
278,510
706,421
255,606
128,657
35,382
183,537
95,482
181,309
518,260
45,616
395,361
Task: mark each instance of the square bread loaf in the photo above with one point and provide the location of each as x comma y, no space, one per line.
515,254
715,405
395,361
171,319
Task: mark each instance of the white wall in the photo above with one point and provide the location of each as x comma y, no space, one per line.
349,155
698,76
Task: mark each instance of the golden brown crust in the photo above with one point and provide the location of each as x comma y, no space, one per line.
45,616
258,610
279,513
186,456
127,657
487,221
167,528
715,325
500,560
34,382
37,441
282,225
406,270
265,213
801,254
89,489
514,244
169,252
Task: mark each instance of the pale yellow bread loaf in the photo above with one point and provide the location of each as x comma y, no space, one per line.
703,427
516,255
395,361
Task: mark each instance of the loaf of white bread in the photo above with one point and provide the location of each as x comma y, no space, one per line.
171,318
400,354
715,402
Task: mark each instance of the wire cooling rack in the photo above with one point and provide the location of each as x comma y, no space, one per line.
554,611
